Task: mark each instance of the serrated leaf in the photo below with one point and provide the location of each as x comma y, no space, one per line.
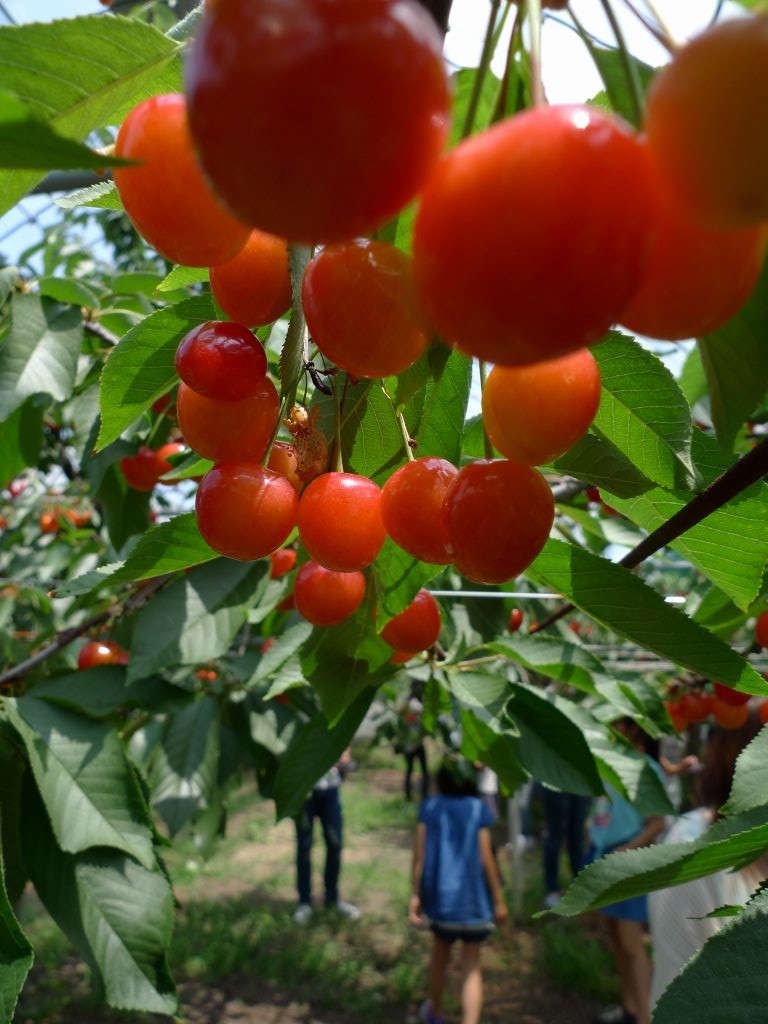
556,659
103,195
68,290
117,914
101,691
398,577
596,461
283,650
371,439
140,368
81,74
500,752
21,437
719,614
196,617
16,954
88,788
185,766
750,778
621,601
439,426
40,352
643,413
182,277
693,381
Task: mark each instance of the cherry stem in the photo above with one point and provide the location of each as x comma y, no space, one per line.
486,56
537,85
630,68
487,445
660,31
662,23
503,97
338,461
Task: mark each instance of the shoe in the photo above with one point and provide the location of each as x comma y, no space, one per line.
348,910
302,913
427,1017
615,1015
551,900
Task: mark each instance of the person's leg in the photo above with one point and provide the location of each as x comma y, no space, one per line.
472,985
553,812
438,965
409,758
578,809
622,966
421,754
331,821
631,938
304,826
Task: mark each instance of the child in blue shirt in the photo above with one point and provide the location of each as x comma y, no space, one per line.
456,884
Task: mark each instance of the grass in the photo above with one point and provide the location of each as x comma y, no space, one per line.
577,962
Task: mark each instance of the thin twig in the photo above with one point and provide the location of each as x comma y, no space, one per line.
100,332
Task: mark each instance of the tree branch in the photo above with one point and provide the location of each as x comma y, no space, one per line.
100,332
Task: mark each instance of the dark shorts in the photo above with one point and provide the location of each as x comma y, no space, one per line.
449,934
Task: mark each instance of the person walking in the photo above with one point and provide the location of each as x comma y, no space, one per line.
566,816
323,803
456,885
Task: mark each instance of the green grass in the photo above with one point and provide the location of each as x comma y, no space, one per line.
576,961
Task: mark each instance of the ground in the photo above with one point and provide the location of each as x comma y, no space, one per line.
239,959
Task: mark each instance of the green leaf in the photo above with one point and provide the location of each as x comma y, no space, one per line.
722,981
736,364
88,787
126,511
610,64
750,779
13,768
693,381
21,437
439,427
315,749
16,954
69,290
596,461
371,439
28,143
643,413
281,654
9,279
186,763
81,74
556,659
719,614
40,352
182,277
196,617
500,752
619,876
140,368
730,546
102,691
398,577
103,195
621,601
118,914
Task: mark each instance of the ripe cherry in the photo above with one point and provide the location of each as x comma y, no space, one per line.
98,653
695,707
696,277
323,119
325,597
361,307
499,516
401,657
417,627
727,695
490,275
515,620
763,711
222,361
340,521
163,454
411,508
223,431
164,194
704,136
254,288
141,471
730,716
676,716
534,413
761,629
283,459
245,511
49,523
283,560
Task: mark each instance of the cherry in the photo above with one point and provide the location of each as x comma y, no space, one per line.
323,119
287,604
515,620
268,644
705,137
245,511
283,560
593,495
340,521
530,237
361,307
730,716
163,404
164,193
222,361
696,277
283,459
727,695
763,711
695,707
411,504
223,431
401,657
163,454
206,675
49,523
141,471
761,629
254,288
676,716
416,628
98,653
499,516
325,597
534,413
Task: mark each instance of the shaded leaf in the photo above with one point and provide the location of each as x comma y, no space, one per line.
185,766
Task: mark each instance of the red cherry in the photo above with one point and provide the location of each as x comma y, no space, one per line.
401,657
49,523
164,404
224,431
287,604
727,695
593,495
245,511
761,629
141,471
340,521
163,454
268,644
325,597
254,288
98,653
515,620
763,711
695,706
499,516
730,716
361,307
416,628
411,508
222,361
676,716
283,560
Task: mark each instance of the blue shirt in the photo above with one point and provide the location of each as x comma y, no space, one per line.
454,889
614,821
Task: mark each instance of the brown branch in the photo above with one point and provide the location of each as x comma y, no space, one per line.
737,478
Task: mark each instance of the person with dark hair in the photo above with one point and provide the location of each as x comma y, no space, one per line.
456,884
678,916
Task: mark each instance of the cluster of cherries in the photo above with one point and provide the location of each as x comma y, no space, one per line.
144,469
